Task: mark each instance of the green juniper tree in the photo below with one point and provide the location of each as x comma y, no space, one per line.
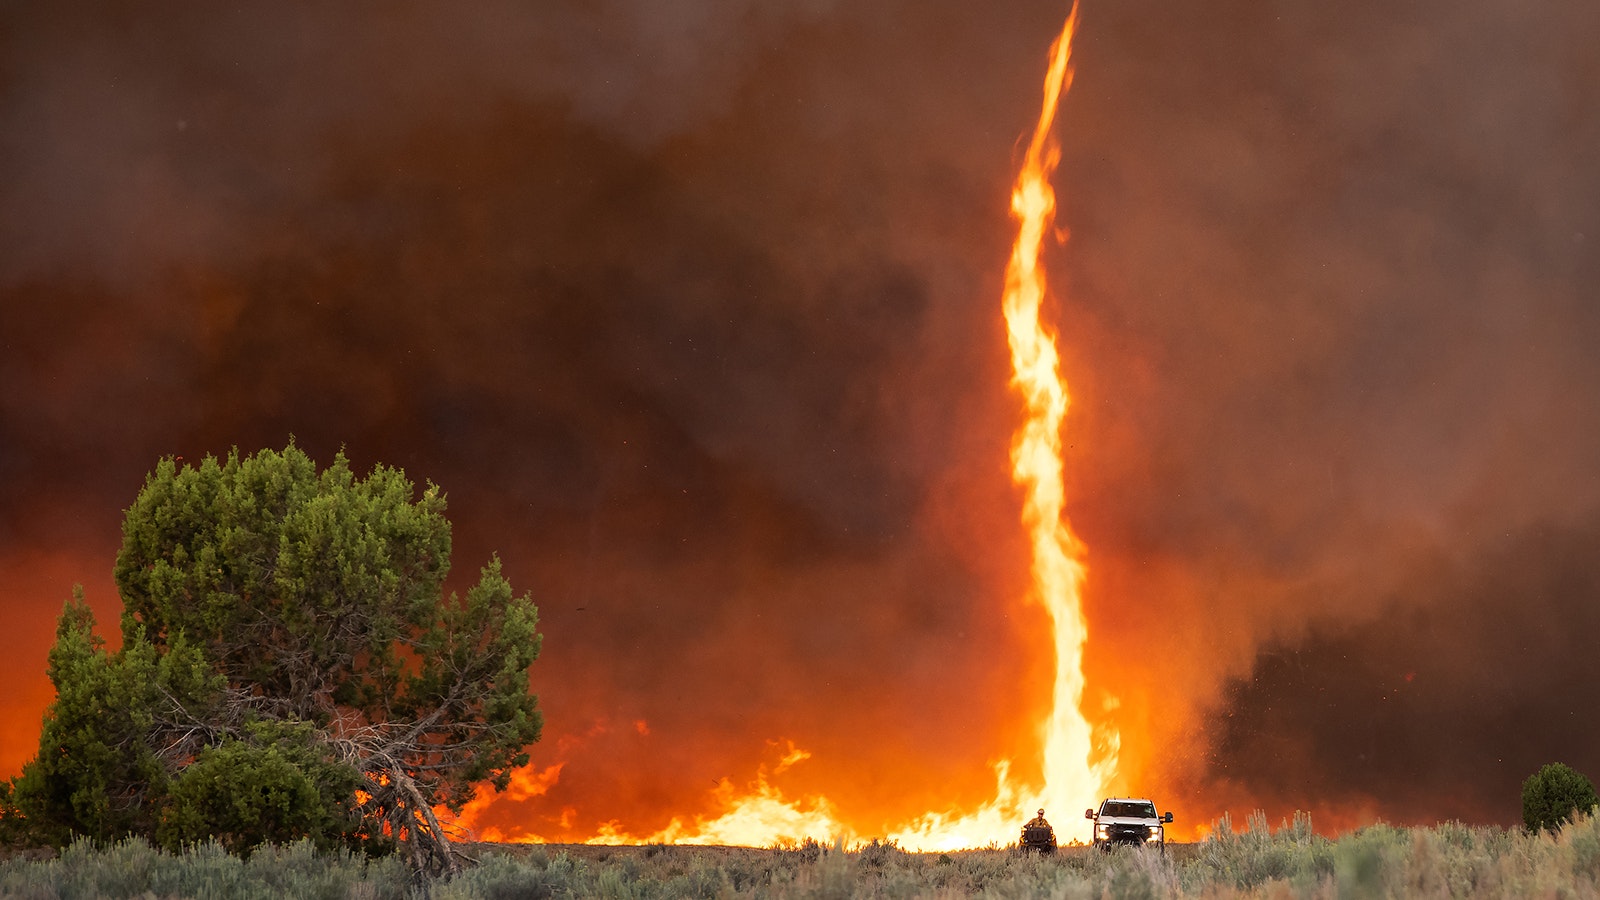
1553,794
290,666
98,768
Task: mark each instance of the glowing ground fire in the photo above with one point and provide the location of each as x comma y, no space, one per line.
1074,770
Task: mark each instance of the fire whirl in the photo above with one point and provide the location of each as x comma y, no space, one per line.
1075,771
1058,568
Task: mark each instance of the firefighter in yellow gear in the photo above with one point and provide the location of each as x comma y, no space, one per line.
1038,835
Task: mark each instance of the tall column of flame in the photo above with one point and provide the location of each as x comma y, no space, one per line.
1058,568
1073,777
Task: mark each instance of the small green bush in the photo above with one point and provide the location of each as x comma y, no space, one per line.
1295,853
273,788
1553,794
877,854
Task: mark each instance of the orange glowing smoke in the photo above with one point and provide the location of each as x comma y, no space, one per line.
1075,770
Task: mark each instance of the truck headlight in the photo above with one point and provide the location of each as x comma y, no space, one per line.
1102,831
1155,835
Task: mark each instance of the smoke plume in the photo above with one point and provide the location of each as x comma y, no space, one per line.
690,308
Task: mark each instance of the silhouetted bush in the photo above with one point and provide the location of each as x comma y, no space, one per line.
1553,794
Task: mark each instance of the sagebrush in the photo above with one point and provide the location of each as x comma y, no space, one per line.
1291,861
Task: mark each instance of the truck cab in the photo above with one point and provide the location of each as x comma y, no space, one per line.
1128,821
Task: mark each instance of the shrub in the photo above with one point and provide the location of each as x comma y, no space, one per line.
879,853
134,868
273,789
1553,794
1258,856
1260,863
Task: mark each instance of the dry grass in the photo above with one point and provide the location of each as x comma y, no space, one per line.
1449,860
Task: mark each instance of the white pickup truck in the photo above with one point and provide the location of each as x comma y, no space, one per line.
1126,820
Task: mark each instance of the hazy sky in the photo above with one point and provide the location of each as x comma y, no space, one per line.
691,307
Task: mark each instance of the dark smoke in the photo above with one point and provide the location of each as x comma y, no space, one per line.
1343,273
1475,677
691,308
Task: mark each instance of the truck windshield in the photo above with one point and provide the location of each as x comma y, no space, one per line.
1132,809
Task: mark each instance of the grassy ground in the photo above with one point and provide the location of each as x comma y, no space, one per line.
1448,860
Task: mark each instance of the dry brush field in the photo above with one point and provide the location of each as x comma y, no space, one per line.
1291,861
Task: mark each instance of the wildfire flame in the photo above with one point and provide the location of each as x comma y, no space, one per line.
1074,771
1058,567
761,817
1074,774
